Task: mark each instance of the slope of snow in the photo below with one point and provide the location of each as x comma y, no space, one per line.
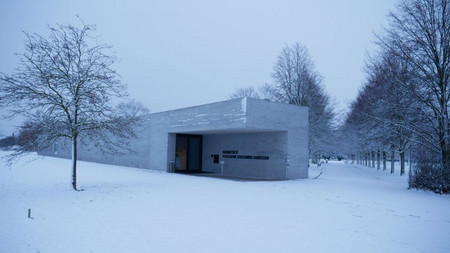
347,209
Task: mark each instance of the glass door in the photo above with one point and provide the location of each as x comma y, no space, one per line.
181,153
195,153
188,154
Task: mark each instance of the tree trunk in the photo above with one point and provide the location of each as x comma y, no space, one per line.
402,163
373,159
384,160
410,165
444,134
378,159
74,161
445,150
392,161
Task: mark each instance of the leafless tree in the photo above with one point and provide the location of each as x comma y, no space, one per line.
419,33
65,85
297,82
260,92
405,99
383,115
250,92
394,113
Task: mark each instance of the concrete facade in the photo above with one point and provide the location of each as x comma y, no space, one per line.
252,138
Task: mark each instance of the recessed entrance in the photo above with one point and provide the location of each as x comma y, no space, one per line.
188,153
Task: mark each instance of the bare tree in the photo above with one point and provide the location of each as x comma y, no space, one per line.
295,76
64,86
405,99
260,92
382,116
297,82
250,92
395,112
419,33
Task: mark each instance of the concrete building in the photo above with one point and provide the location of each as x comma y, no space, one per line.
247,138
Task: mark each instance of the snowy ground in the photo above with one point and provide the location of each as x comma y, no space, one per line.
348,209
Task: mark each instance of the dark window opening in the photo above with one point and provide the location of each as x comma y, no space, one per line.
215,159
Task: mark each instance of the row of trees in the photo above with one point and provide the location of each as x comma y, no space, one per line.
296,81
404,103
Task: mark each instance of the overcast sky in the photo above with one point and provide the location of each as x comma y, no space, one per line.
176,54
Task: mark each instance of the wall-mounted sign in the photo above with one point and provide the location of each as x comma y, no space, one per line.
232,154
235,152
259,157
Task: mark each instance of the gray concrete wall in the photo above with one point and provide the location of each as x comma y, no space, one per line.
290,118
134,154
269,144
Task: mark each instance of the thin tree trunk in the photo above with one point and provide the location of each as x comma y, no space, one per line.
402,162
410,165
444,134
367,160
378,159
410,160
373,159
74,162
392,161
384,160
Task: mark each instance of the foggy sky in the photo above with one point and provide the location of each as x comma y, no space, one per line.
176,54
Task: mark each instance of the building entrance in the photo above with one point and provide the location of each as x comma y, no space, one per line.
188,154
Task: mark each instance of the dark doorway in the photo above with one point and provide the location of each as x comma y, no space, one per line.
188,153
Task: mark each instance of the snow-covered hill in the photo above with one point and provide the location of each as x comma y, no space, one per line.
347,209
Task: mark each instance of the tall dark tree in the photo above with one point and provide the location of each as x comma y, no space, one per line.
64,86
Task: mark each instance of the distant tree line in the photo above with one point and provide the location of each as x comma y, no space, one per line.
403,106
296,81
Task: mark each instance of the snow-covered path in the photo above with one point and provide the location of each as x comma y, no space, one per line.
347,209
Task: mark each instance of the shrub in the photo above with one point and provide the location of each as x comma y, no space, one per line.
8,141
427,173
